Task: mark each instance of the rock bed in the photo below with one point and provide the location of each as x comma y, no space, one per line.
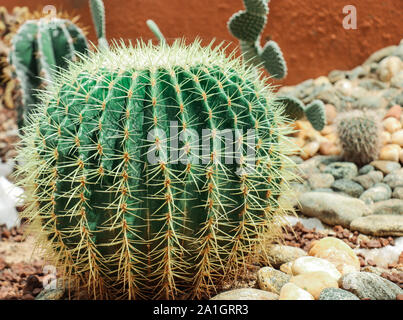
20,280
375,85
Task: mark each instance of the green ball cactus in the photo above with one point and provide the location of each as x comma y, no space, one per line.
247,25
295,110
359,132
114,206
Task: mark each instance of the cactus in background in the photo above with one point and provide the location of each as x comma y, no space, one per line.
359,133
10,96
98,16
136,226
316,114
295,110
247,25
42,47
157,32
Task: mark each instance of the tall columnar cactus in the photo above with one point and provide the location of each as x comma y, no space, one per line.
106,191
247,25
98,16
359,133
314,112
156,30
43,47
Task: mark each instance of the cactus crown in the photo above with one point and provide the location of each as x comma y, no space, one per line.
247,25
359,133
133,227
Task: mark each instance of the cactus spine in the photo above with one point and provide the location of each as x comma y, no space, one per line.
247,25
137,228
359,133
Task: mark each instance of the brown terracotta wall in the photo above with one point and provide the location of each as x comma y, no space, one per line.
310,32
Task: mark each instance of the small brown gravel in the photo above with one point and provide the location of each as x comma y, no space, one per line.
14,234
20,281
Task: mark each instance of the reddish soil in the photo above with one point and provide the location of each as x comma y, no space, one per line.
310,32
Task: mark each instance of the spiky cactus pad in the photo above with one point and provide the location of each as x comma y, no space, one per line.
38,49
247,26
104,188
359,133
295,109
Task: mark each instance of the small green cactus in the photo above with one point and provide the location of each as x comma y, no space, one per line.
134,226
295,110
247,25
98,16
359,132
316,114
39,49
43,47
156,30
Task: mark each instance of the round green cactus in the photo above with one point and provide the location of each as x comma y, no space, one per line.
359,133
39,48
130,209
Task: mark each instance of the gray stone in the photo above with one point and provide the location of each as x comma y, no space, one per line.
376,270
272,280
398,193
332,208
336,75
372,84
397,80
291,198
246,294
366,169
342,170
369,179
358,72
313,165
386,166
51,294
394,179
366,285
391,206
379,225
323,190
297,159
370,102
378,192
349,187
379,55
279,254
336,294
320,180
